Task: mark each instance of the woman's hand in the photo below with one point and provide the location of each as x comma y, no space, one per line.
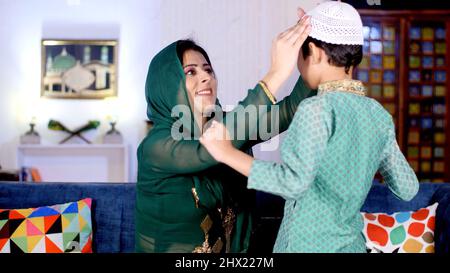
217,141
285,51
300,13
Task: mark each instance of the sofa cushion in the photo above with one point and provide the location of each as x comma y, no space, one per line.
409,231
49,229
112,207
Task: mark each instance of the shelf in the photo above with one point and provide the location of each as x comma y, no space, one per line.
421,80
427,115
71,146
419,98
76,162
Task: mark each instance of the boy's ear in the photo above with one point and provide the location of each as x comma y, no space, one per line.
316,53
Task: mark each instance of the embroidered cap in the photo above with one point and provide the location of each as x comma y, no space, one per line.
338,23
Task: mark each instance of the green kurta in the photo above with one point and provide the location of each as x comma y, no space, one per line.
333,148
167,217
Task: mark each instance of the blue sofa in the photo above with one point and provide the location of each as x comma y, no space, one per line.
114,203
112,207
380,199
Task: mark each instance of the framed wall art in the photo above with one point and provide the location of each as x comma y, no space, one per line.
79,69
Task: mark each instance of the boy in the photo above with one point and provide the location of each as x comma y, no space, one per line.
334,146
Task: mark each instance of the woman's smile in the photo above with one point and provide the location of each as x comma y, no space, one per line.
204,92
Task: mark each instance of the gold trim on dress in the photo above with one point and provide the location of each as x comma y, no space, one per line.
195,195
218,245
206,224
228,224
267,91
228,221
205,247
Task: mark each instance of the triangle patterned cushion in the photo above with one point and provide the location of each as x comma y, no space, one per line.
400,232
51,229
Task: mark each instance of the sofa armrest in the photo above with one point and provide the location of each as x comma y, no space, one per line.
442,229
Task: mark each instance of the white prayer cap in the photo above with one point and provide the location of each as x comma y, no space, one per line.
335,22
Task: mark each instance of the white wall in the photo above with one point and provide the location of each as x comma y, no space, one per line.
237,35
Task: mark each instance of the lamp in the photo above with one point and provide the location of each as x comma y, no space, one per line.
112,136
31,137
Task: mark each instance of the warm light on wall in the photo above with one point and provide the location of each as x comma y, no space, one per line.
111,108
27,110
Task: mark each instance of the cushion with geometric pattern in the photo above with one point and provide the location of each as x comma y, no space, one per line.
50,229
400,232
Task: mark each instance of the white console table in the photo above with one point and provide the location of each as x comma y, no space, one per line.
76,162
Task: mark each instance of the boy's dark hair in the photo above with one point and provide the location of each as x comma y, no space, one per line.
184,45
338,55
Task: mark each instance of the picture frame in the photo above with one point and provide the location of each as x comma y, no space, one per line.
79,69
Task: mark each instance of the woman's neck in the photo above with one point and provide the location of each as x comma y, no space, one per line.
200,120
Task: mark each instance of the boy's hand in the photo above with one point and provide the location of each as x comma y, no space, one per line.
217,141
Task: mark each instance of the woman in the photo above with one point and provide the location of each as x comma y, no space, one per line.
186,201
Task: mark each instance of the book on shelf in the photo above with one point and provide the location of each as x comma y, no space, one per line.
35,175
30,174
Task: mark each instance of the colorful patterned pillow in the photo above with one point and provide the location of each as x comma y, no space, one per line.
51,229
402,232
